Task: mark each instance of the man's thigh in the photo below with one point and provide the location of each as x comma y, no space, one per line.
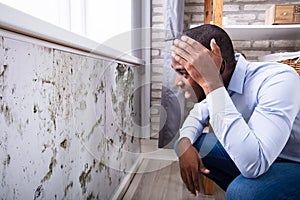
281,181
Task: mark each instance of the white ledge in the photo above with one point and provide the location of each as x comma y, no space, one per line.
263,32
19,22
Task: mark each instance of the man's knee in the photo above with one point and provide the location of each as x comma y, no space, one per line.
257,189
238,189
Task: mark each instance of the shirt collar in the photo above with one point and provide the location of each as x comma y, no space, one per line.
236,83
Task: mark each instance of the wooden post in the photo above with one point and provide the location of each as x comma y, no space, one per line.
208,186
218,20
207,11
218,12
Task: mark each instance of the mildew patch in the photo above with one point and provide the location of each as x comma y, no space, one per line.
90,196
53,118
45,146
51,166
101,87
69,186
85,177
101,166
98,122
99,90
122,96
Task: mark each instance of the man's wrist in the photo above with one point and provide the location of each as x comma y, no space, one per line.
183,144
213,86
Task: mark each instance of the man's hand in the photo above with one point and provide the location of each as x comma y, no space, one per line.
202,64
190,163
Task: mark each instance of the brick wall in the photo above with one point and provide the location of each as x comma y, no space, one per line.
235,12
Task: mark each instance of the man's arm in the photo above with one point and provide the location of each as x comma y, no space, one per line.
254,146
195,122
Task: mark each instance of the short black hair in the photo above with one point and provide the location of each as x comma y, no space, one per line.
204,33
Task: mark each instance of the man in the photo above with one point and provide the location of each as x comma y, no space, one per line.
253,109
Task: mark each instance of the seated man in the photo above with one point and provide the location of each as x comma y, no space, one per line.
253,109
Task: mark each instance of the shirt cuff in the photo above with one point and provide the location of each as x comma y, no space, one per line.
218,101
189,135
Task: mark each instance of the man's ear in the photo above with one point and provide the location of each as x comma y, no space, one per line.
216,53
215,49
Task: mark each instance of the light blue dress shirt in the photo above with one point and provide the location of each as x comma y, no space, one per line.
256,119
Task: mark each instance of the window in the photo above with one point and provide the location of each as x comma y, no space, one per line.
99,20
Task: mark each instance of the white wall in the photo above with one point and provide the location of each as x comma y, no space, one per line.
66,121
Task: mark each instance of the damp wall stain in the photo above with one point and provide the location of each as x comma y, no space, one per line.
66,123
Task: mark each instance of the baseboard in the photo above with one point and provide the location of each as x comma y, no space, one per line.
124,185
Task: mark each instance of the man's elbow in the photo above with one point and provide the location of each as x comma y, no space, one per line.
254,171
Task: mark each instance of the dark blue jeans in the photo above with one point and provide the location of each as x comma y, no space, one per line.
281,181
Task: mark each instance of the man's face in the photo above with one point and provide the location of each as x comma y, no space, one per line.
190,88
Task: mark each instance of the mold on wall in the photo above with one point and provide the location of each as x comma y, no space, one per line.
66,123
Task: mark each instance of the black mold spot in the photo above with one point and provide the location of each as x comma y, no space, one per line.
48,82
3,71
63,144
38,192
6,111
90,197
13,90
132,139
35,109
7,160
